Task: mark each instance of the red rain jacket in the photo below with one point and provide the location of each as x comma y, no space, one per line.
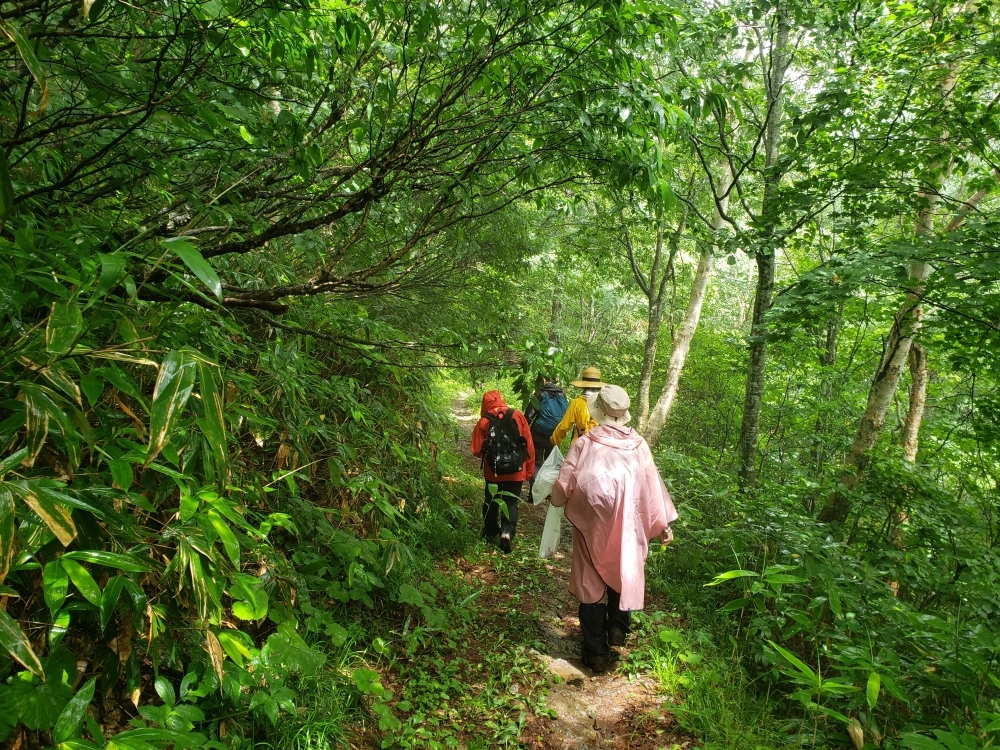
493,403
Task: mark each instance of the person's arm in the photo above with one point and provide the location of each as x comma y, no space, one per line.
478,438
567,422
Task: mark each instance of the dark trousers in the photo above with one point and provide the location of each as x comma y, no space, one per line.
597,619
508,493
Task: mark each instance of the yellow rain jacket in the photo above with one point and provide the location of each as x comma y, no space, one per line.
576,418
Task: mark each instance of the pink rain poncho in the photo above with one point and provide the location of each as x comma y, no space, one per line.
617,503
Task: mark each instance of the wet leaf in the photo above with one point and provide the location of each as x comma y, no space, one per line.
17,645
83,581
188,253
7,541
70,720
64,327
171,393
55,585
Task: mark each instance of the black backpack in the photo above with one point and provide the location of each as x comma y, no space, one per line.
505,449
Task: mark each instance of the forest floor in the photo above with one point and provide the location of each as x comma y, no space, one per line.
626,708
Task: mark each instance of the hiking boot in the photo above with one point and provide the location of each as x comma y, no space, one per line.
598,664
616,637
504,544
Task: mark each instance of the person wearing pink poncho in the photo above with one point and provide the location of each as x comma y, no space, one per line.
617,503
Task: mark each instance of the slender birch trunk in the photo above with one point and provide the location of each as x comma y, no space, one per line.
918,397
681,344
765,257
654,297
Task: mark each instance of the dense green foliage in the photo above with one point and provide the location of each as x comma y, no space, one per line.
242,238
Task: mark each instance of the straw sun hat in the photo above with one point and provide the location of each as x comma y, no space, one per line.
610,406
590,378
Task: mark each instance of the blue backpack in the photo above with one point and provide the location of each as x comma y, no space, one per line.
551,408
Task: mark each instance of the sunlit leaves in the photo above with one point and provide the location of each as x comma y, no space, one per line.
171,393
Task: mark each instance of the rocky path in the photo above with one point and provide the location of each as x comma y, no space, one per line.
611,710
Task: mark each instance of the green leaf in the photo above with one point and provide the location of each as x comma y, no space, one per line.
226,536
27,52
731,574
70,720
872,690
7,541
64,327
55,515
6,191
367,681
83,581
170,394
919,742
835,603
55,585
165,690
112,268
797,663
92,384
780,578
119,560
109,599
214,425
735,604
287,648
200,267
409,595
121,473
17,645
12,460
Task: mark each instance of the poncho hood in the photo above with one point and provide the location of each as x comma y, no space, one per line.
492,403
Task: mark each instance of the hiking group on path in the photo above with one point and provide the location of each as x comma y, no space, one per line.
607,485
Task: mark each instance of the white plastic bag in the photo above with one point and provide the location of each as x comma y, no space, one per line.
546,476
551,531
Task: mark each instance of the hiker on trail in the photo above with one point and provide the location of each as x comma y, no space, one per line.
502,438
544,418
617,503
577,417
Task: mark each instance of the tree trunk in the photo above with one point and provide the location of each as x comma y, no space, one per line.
765,257
554,318
827,359
681,344
654,297
918,397
885,384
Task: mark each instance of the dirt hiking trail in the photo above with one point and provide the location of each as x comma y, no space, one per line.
591,711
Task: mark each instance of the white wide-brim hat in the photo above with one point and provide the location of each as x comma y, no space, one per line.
610,406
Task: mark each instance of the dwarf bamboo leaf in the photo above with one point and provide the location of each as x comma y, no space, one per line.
193,259
226,536
214,425
70,720
797,663
64,327
54,514
119,560
171,393
6,191
83,581
121,473
7,542
27,52
872,689
17,645
109,599
112,268
55,585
